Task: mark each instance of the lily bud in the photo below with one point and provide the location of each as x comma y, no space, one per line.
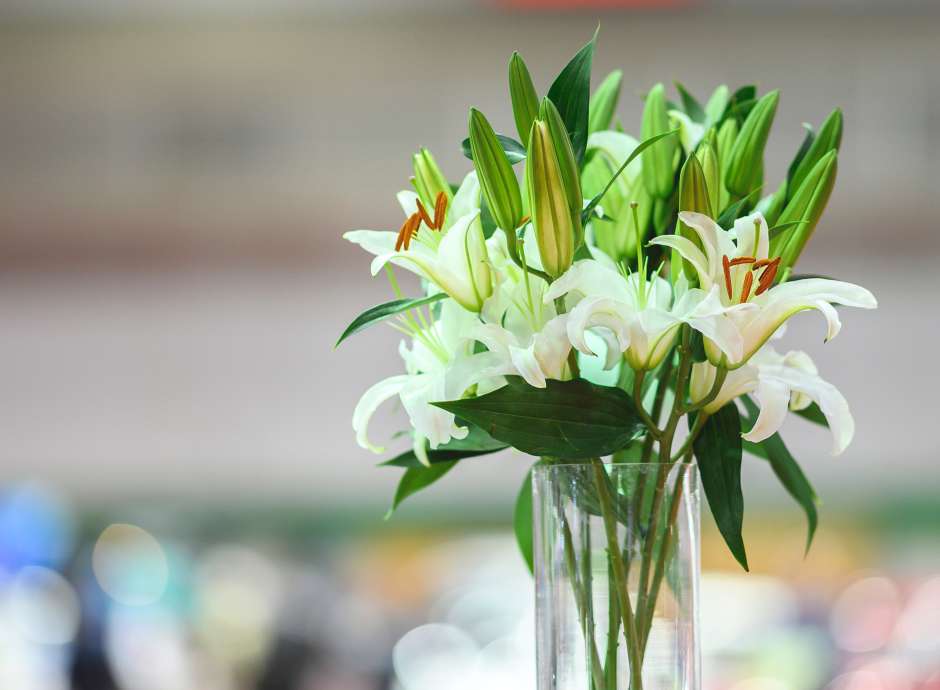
604,102
525,102
694,195
745,165
806,207
567,165
727,134
659,160
716,105
828,138
707,154
548,202
497,180
429,181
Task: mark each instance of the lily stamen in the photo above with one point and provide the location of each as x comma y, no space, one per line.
440,208
741,260
408,229
746,288
424,215
726,264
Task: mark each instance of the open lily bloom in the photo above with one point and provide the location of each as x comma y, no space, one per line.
780,383
736,262
448,250
440,365
642,315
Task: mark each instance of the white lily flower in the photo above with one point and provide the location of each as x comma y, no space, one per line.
779,382
523,331
642,315
736,262
440,365
449,249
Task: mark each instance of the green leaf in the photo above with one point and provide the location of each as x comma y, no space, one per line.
800,154
417,478
642,146
571,94
690,105
384,311
514,151
477,442
788,471
522,521
718,451
566,419
734,210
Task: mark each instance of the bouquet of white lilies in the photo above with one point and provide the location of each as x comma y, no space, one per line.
580,310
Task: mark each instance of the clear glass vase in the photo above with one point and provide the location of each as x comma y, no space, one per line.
617,576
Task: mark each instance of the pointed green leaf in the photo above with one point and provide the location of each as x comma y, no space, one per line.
522,521
788,471
571,94
828,138
716,105
566,419
801,153
515,151
718,452
477,442
417,478
690,104
384,311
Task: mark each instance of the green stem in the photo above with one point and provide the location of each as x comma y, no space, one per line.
583,605
646,622
616,559
638,404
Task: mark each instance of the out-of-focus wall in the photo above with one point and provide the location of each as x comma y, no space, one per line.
173,189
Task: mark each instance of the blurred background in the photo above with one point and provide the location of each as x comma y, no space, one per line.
182,503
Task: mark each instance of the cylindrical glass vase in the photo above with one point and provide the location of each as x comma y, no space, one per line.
617,576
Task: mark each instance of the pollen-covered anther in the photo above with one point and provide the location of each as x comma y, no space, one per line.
726,264
440,209
767,276
746,288
408,229
741,260
425,216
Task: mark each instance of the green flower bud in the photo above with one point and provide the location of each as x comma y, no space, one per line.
707,154
658,161
745,165
805,208
525,102
727,134
567,165
828,138
429,181
548,201
497,180
772,204
604,102
717,104
694,195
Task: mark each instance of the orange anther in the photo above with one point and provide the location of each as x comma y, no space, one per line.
727,266
408,229
440,208
742,260
424,215
746,288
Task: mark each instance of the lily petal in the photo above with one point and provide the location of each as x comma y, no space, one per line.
369,403
774,398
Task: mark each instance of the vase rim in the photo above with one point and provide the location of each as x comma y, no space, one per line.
624,465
